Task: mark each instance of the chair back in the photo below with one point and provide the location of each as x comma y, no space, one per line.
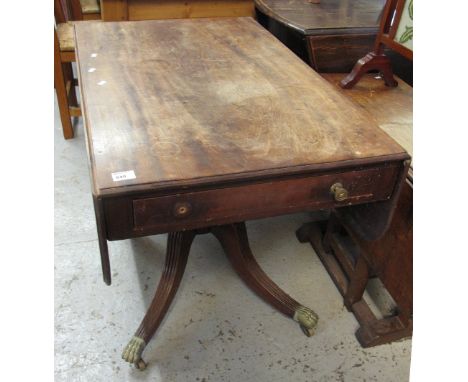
61,11
67,10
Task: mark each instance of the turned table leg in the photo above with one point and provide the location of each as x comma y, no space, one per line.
233,238
178,247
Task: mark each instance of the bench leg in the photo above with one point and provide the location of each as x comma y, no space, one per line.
383,331
357,284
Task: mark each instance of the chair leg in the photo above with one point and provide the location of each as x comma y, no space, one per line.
68,76
62,98
61,88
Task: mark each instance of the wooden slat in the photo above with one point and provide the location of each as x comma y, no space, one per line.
67,56
91,16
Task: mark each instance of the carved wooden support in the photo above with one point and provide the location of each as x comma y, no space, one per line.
371,61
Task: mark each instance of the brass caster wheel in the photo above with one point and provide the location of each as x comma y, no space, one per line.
140,365
309,332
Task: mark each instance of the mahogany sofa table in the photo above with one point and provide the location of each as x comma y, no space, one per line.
194,126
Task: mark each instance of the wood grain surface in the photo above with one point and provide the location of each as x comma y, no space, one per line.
208,100
327,16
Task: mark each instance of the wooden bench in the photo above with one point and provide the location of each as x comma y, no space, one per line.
350,259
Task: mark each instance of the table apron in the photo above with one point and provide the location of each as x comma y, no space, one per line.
149,214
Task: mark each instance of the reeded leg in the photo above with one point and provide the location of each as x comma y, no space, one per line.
233,238
178,247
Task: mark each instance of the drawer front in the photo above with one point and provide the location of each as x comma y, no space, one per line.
338,53
225,205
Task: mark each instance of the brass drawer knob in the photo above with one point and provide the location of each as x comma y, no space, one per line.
339,192
182,209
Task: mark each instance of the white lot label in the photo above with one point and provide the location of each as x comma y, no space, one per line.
123,175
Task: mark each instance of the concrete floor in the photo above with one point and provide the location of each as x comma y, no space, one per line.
216,329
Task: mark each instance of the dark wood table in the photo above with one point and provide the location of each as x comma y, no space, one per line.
194,126
330,36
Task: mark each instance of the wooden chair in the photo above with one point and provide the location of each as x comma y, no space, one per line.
64,55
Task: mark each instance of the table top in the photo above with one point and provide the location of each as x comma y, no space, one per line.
211,101
325,17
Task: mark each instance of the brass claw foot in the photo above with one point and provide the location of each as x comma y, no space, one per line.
132,352
307,319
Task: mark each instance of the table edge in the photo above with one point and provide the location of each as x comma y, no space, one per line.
220,181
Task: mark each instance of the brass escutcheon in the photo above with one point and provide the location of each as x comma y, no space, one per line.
339,192
182,209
